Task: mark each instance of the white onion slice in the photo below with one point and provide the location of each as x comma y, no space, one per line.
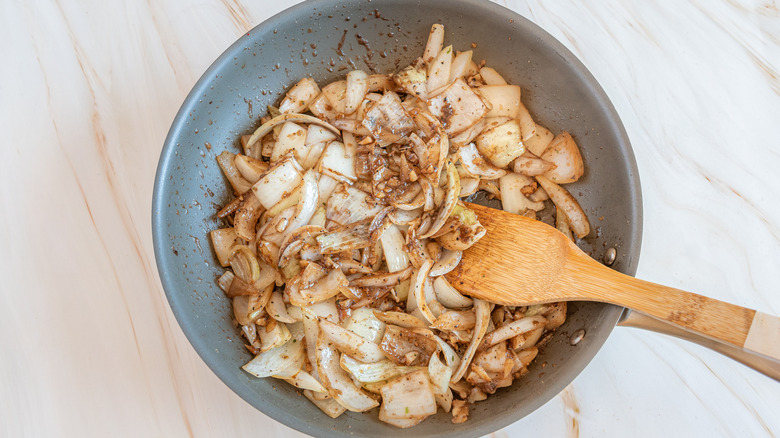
400,319
408,396
475,164
440,375
451,198
357,87
448,260
278,182
329,406
338,382
304,380
348,205
538,143
504,100
292,140
482,309
382,279
501,144
364,322
418,290
276,336
565,155
434,44
308,203
459,65
275,360
351,343
299,96
491,77
222,240
338,162
393,245
292,117
449,296
277,309
566,202
373,372
439,70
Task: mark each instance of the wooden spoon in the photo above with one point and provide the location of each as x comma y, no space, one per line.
521,261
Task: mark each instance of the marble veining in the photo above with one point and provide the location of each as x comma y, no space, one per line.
87,93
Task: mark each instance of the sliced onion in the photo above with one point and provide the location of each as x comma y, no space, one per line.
512,198
447,262
538,143
565,155
356,89
451,198
273,335
227,164
504,100
407,397
336,93
244,264
364,322
299,96
404,217
322,109
468,186
413,80
562,224
292,140
338,162
223,240
450,356
329,406
532,166
351,237
275,360
382,279
434,44
458,106
308,203
351,343
440,375
277,309
225,280
462,238
491,77
566,202
245,219
455,320
250,168
380,83
348,205
373,372
304,380
459,65
321,290
482,309
338,382
278,182
449,296
400,319
418,292
439,70
513,329
501,144
475,164
527,124
292,117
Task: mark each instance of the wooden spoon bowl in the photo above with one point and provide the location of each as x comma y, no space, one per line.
522,261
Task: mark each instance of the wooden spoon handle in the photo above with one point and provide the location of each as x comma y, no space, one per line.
735,325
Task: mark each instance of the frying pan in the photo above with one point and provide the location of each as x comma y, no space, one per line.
324,39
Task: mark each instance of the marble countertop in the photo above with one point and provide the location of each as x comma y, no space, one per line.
88,92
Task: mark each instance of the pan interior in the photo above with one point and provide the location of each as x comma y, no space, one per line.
324,39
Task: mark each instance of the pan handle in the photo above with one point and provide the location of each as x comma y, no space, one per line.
759,362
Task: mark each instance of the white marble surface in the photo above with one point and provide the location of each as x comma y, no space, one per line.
88,91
